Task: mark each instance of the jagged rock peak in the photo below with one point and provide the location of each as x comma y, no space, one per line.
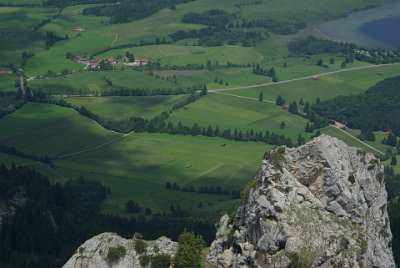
322,204
108,250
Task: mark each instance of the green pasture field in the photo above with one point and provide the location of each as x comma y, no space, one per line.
7,83
138,166
171,55
295,67
51,130
16,31
232,76
94,82
118,108
325,87
379,136
8,160
244,114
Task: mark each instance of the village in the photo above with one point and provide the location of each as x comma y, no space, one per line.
96,62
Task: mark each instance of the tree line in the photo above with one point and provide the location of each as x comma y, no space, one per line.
13,151
131,10
216,33
235,194
312,46
278,27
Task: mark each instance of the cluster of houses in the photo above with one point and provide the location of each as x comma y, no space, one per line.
5,72
95,63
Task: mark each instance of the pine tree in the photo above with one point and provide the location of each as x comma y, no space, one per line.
308,128
189,251
301,102
261,96
391,140
283,125
306,109
293,108
280,101
393,161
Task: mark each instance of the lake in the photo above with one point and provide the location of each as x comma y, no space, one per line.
376,27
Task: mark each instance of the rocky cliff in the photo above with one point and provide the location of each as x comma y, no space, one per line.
320,205
111,250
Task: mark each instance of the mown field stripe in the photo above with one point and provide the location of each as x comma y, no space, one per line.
95,148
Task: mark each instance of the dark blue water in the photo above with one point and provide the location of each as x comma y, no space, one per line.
386,31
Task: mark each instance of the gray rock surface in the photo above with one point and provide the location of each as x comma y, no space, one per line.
320,205
94,253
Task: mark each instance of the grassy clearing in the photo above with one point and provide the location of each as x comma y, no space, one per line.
243,114
378,139
232,76
94,82
183,55
7,83
138,167
51,130
326,87
117,108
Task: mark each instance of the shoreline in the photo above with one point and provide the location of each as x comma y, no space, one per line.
347,28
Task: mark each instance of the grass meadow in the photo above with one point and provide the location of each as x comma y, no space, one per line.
325,87
232,112
7,83
95,82
118,108
51,130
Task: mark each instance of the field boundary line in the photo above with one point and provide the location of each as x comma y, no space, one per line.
95,148
242,97
304,77
366,144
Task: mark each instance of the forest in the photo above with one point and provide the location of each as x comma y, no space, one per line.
51,220
217,33
376,109
131,10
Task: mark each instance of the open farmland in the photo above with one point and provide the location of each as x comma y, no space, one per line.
117,108
98,82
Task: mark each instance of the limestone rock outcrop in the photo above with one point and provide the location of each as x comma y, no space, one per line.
322,204
108,250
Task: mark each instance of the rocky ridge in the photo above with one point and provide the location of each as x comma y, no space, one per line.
320,205
111,250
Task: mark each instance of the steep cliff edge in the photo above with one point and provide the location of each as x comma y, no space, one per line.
320,205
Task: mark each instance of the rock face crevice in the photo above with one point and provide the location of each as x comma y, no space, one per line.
320,205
